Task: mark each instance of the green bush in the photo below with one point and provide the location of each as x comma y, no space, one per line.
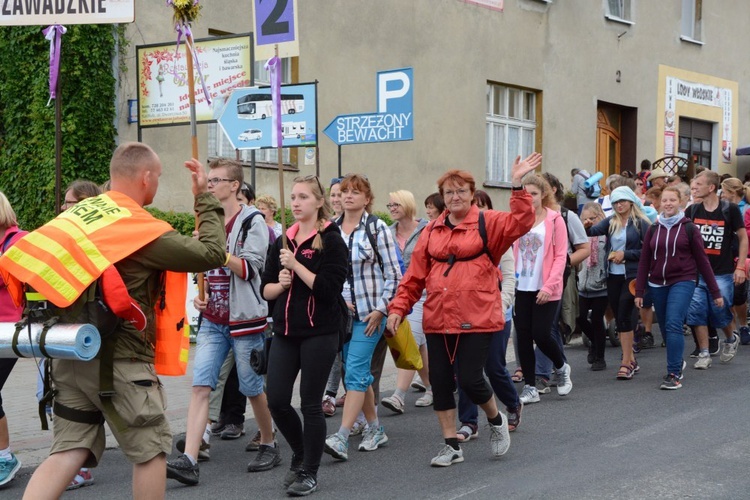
182,222
289,216
385,217
27,124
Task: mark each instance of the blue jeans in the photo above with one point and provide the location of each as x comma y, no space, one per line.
669,302
703,312
499,377
544,365
357,357
213,344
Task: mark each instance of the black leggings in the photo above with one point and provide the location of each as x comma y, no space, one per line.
471,351
534,325
621,301
6,366
313,356
593,328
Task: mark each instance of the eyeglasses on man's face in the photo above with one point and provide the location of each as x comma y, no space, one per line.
215,180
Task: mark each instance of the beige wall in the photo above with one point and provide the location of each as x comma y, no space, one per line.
565,50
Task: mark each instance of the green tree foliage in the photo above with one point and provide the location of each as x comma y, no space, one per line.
182,222
27,126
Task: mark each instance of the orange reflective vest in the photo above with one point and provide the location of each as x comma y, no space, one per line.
63,257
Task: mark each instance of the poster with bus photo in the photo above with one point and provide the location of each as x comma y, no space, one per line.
247,117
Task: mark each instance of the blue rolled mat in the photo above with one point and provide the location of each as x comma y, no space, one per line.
62,341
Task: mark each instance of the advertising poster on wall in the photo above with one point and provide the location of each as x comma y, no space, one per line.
697,93
247,122
226,63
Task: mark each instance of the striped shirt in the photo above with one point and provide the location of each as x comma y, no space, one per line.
373,289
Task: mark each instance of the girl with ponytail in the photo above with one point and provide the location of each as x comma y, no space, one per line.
305,280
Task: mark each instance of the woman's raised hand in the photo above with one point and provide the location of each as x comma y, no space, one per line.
521,168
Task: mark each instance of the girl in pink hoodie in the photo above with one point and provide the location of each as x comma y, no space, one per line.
540,262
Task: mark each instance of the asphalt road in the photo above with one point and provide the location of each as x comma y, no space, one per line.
607,439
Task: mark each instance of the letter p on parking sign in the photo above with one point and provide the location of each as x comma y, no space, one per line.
395,91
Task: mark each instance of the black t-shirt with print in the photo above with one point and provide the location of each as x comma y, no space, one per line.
719,235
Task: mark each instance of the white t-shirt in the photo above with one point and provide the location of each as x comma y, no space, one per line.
530,261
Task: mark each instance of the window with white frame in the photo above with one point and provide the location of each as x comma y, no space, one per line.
511,129
692,20
619,10
218,143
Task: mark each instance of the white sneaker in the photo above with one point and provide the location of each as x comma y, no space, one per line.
393,403
529,394
500,437
729,349
703,362
447,457
425,400
564,384
372,439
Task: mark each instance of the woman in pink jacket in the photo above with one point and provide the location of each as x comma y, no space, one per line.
540,262
9,234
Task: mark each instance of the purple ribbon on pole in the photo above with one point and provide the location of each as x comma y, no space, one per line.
183,29
273,66
54,34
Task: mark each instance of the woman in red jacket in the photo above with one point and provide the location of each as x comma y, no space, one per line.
463,307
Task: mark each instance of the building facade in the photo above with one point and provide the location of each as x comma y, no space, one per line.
596,84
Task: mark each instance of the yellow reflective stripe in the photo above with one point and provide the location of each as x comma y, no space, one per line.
83,242
35,296
44,272
47,244
184,353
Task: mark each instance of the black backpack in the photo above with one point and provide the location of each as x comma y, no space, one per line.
452,259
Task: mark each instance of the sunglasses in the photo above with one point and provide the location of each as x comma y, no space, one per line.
309,178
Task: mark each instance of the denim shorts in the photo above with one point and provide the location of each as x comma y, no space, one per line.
213,344
703,312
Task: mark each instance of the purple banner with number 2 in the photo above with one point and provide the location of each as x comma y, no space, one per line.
274,21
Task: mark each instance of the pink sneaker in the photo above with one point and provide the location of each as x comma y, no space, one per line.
83,478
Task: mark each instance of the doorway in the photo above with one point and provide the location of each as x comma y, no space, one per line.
616,128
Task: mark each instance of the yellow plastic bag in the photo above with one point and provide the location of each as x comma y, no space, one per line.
404,348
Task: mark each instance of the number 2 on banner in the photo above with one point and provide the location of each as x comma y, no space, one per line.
274,21
272,25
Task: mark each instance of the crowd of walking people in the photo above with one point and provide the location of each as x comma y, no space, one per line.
319,301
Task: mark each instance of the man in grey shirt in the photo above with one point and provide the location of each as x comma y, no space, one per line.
579,176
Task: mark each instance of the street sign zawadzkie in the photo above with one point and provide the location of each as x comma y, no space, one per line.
46,12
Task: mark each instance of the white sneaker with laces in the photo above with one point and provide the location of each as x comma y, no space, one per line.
529,394
564,384
703,362
447,457
372,439
729,349
500,437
